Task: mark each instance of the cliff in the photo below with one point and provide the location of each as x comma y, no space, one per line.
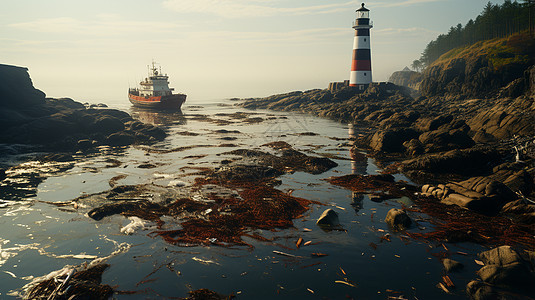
16,88
487,69
406,78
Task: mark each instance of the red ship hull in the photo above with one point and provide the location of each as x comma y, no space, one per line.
158,102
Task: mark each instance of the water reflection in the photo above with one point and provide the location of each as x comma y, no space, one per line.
155,117
359,165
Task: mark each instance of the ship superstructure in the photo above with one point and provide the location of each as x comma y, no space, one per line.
154,92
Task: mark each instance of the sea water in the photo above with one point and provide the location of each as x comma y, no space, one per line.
38,237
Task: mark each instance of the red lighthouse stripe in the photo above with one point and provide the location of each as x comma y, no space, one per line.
361,65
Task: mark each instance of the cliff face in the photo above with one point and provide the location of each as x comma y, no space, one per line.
406,78
16,88
484,70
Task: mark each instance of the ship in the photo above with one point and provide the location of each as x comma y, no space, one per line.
154,92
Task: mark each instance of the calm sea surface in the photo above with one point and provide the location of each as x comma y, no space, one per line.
38,237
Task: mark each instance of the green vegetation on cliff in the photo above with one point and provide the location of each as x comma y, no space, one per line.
515,49
495,21
487,69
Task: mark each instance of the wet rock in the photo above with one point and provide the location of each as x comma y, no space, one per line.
506,119
522,211
2,174
516,176
515,276
445,139
463,162
85,144
481,194
328,218
128,207
413,147
398,219
505,268
120,139
27,117
391,140
289,161
451,265
57,157
501,256
107,125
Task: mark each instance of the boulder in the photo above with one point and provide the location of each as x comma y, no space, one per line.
481,194
463,162
505,119
507,269
391,140
445,139
120,139
522,212
328,218
107,125
398,219
501,256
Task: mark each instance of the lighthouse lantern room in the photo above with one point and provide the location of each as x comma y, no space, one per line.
361,69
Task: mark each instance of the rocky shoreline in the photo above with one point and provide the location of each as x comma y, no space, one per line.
474,160
476,154
28,118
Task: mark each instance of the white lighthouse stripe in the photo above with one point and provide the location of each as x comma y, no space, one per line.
360,77
361,42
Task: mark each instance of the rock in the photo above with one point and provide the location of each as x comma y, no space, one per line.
107,125
508,269
514,276
413,147
391,140
500,256
481,194
451,265
464,162
85,144
406,78
328,218
522,212
398,219
505,119
120,139
445,139
2,174
16,88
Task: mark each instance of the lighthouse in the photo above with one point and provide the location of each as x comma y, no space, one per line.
361,67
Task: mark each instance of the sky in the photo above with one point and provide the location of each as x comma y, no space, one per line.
93,51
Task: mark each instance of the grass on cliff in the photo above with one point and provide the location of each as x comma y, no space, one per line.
517,48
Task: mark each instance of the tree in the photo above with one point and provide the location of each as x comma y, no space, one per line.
417,65
493,22
530,4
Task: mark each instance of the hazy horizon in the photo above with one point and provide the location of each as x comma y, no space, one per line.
93,51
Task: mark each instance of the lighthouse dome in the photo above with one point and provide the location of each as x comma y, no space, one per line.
363,8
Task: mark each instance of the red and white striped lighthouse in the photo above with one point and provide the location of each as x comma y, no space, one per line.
361,67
